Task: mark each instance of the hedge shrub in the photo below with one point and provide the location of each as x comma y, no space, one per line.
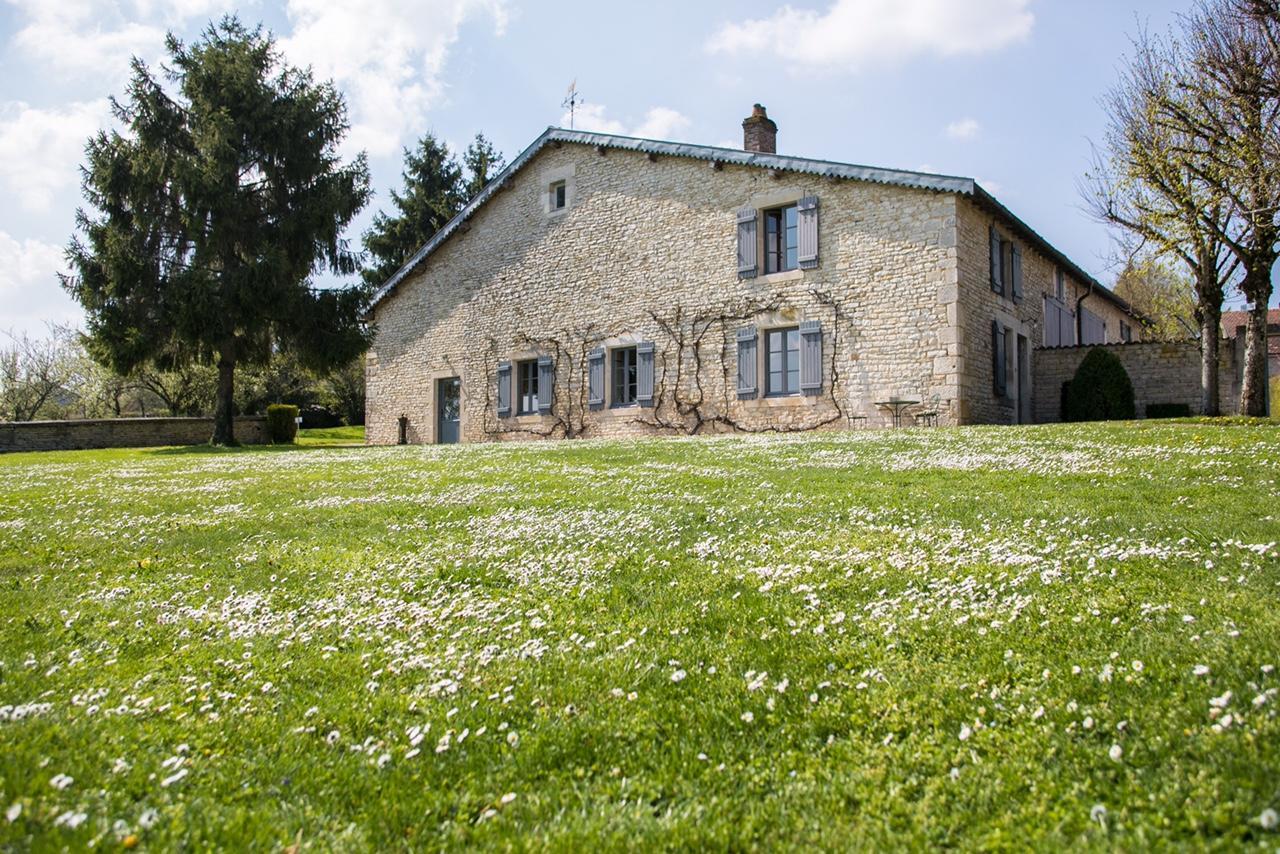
282,425
1168,410
1100,390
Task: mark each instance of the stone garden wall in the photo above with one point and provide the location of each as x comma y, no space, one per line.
122,433
1161,372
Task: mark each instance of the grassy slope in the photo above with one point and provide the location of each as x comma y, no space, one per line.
912,599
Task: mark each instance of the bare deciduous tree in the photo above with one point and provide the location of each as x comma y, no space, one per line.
33,373
1147,180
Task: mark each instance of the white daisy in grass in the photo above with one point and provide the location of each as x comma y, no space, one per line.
61,781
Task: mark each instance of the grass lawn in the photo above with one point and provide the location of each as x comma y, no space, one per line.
985,637
331,436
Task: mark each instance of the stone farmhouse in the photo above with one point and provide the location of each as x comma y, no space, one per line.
610,286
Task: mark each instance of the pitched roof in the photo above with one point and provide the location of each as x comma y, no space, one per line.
738,157
1233,320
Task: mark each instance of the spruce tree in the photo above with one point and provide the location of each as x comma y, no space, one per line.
213,209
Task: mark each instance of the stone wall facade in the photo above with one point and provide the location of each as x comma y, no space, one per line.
1161,372
122,433
980,306
645,250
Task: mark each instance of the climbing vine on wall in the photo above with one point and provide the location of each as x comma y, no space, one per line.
685,400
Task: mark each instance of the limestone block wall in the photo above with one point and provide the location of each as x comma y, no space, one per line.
979,306
122,433
646,251
1161,372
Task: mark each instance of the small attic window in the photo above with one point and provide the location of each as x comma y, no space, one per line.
559,196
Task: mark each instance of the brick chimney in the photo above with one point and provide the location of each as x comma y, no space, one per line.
759,132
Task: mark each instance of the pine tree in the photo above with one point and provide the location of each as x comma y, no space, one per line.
483,161
214,207
435,188
433,193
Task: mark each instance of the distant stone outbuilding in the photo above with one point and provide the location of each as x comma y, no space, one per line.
610,286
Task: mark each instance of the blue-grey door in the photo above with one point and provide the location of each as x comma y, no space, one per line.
448,410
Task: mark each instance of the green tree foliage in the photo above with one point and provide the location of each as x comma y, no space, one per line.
435,188
1165,296
1100,389
222,196
483,161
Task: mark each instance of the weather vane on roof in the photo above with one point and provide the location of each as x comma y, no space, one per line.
571,101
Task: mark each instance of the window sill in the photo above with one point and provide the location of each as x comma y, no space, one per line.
784,276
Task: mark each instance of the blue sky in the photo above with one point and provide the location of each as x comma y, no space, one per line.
1002,90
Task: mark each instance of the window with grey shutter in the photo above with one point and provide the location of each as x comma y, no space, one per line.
1093,330
504,389
747,385
997,274
747,243
998,358
1052,325
595,378
811,357
808,213
546,383
644,373
1016,273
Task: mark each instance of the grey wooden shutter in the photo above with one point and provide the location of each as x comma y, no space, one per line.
1067,329
546,383
811,357
998,358
644,373
747,362
997,283
807,216
504,389
1052,323
1016,272
1092,328
595,377
747,243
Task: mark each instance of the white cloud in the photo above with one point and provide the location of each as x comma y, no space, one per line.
41,150
658,122
387,56
963,129
854,34
29,289
94,40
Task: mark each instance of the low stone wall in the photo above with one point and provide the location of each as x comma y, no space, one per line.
122,433
1161,372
